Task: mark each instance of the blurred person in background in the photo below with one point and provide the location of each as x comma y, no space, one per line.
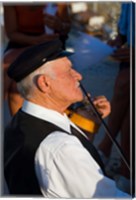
119,119
25,26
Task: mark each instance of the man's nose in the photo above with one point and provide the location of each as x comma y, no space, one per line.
77,75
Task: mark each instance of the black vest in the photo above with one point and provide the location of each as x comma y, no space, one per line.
21,140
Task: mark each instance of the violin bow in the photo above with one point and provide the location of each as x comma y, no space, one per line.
106,127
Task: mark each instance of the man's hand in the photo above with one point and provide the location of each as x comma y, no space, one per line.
102,105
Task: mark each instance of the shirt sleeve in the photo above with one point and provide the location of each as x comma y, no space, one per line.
65,169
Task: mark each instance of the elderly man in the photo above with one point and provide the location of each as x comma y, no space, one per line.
44,152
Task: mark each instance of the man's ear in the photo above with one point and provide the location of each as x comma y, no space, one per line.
42,83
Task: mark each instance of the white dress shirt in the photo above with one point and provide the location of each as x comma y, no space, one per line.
64,168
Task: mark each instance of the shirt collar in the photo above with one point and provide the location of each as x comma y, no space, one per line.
49,115
46,114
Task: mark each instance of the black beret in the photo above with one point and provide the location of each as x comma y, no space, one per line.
34,57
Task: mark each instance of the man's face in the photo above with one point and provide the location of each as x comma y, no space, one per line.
65,87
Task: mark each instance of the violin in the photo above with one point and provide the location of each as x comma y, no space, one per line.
84,118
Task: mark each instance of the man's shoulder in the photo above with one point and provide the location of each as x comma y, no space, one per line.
57,141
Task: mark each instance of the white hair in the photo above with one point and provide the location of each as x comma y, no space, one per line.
27,86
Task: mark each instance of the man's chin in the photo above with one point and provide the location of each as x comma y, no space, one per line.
80,98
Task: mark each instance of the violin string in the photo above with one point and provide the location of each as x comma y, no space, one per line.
106,127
